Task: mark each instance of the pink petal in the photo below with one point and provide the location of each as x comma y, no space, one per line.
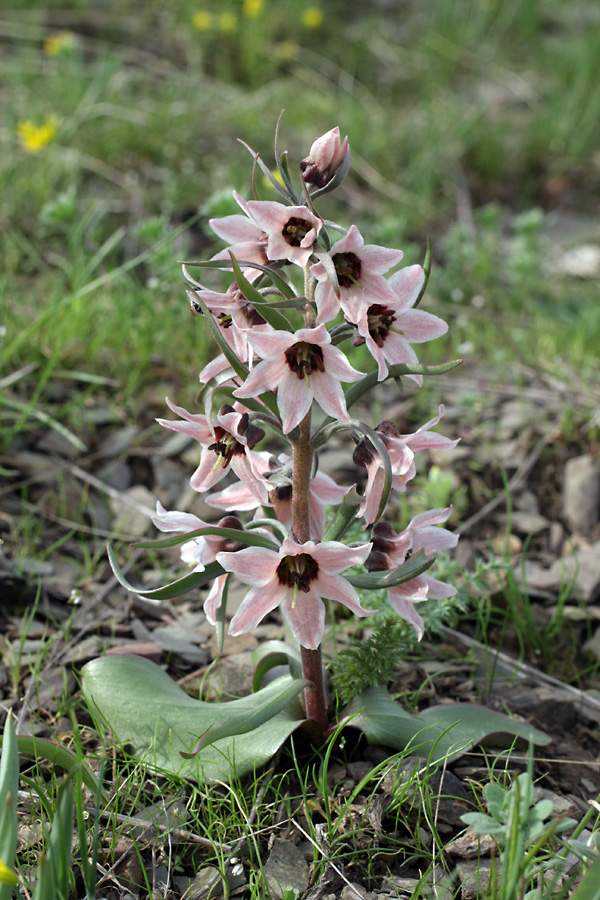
420,326
237,228
252,565
294,398
257,603
215,598
334,587
306,617
334,557
406,284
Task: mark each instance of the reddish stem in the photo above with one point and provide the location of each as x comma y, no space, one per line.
312,664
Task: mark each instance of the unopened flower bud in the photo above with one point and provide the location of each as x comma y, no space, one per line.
325,157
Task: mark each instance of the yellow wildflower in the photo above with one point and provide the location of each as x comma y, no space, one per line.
7,876
58,43
253,8
312,17
202,20
35,137
227,21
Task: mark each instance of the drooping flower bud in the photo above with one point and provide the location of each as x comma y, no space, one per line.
325,157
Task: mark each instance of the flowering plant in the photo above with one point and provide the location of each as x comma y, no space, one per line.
297,297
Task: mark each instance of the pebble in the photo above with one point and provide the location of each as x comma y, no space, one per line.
581,494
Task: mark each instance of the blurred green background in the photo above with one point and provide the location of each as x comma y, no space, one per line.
473,122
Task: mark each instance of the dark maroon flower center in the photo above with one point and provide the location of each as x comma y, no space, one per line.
295,230
380,319
297,571
348,267
227,445
304,358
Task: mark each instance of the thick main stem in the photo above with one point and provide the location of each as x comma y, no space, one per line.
312,664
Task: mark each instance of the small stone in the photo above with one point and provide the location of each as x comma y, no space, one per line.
286,867
470,845
581,494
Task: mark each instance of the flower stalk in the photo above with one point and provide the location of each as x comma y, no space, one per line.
281,357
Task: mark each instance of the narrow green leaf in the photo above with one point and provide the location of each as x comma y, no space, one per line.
233,534
9,791
360,388
175,589
240,369
343,516
276,319
267,172
59,842
55,754
373,581
427,270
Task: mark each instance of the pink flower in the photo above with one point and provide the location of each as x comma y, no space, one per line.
401,449
421,533
291,230
248,241
229,438
295,578
360,269
234,316
323,492
389,329
300,366
326,156
391,549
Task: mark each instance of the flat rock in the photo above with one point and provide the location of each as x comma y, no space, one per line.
581,494
286,867
582,569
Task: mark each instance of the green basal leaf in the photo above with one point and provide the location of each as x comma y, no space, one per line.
175,589
373,581
439,732
158,721
233,534
271,654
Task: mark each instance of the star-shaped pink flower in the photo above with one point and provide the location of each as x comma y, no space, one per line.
300,366
389,329
227,439
359,269
401,449
296,578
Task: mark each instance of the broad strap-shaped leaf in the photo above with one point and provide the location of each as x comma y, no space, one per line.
175,589
437,733
373,581
157,720
271,654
